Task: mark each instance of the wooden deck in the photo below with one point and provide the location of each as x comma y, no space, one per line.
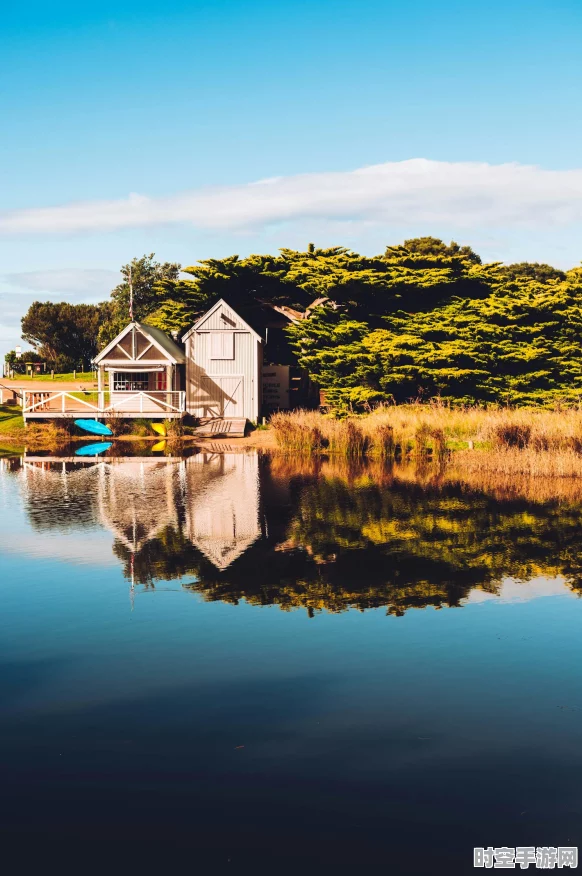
228,428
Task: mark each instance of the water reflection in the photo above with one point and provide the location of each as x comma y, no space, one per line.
222,515
312,534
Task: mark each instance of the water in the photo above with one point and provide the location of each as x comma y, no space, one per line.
240,664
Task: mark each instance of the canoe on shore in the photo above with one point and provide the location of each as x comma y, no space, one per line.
94,427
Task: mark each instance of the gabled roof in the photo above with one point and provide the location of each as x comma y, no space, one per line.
221,303
163,341
155,336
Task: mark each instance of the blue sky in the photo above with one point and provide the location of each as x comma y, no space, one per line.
184,105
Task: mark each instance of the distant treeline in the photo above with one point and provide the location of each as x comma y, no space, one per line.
424,319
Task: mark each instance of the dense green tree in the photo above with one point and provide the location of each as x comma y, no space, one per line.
63,331
414,276
241,282
533,271
516,341
423,319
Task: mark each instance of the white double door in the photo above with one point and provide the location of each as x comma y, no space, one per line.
225,395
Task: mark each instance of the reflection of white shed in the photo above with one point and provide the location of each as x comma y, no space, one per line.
222,516
224,357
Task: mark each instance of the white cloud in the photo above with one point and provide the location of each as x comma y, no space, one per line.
75,284
19,290
462,194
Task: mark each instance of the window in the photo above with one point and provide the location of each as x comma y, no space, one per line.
130,381
222,345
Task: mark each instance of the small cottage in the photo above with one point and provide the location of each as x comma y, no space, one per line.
144,365
224,359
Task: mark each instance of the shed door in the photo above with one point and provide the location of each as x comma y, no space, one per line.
224,395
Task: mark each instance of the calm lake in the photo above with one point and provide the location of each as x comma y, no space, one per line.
237,663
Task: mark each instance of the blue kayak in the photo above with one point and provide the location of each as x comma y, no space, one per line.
93,449
94,427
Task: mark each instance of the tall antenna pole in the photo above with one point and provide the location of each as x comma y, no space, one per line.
130,296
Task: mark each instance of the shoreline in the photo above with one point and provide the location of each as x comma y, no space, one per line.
530,442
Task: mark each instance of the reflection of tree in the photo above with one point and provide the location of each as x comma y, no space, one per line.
415,545
60,496
320,535
343,541
169,555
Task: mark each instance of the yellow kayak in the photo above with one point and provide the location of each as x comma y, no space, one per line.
160,429
159,445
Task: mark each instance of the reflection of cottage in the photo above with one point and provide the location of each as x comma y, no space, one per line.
222,517
134,499
216,495
137,499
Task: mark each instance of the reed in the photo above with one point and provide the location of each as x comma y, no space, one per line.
299,432
383,445
46,436
531,462
499,439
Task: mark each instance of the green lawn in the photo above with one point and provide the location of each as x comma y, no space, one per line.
11,422
91,397
86,376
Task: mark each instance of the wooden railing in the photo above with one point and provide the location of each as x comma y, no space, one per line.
45,403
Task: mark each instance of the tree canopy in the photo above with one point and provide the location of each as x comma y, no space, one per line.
515,338
424,318
148,279
63,332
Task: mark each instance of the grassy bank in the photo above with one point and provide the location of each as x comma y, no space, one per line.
528,441
501,442
35,436
86,376
11,422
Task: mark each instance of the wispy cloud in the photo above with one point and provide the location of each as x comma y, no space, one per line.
462,194
19,290
70,283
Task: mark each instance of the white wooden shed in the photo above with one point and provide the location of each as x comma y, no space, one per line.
224,358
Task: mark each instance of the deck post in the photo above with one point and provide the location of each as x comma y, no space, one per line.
169,370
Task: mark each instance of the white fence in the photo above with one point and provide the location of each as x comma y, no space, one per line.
40,403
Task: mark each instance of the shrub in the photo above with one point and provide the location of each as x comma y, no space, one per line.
512,435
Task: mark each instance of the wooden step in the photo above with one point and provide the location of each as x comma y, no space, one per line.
231,427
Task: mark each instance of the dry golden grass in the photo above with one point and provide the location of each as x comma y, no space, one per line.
512,485
527,461
527,441
45,436
536,428
310,431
